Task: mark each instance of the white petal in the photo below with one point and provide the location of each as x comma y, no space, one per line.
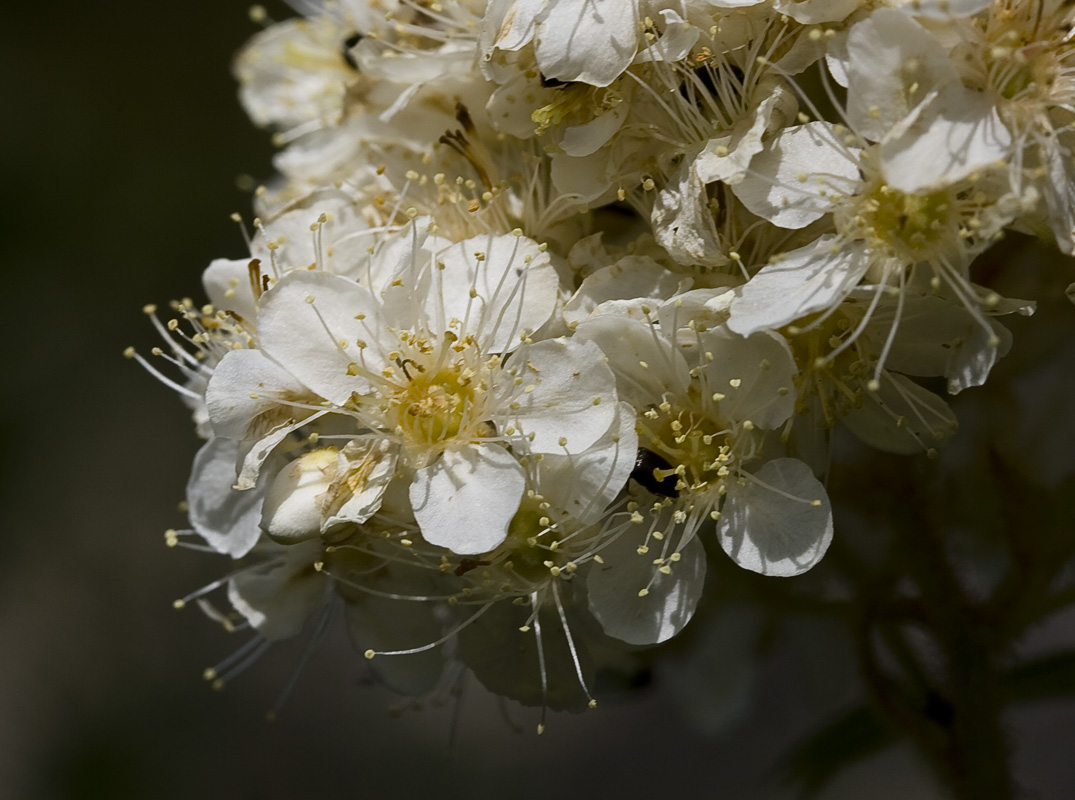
628,344
226,518
308,324
465,500
944,9
806,280
761,365
765,531
244,396
670,600
510,288
567,398
581,40
631,278
254,454
893,65
510,24
792,180
959,133
811,12
579,141
726,158
585,484
675,41
227,283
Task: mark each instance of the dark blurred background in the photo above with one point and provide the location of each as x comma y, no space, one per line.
121,146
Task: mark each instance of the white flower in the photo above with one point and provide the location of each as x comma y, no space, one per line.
883,234
424,368
703,424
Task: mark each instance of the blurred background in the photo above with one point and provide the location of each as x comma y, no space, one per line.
121,149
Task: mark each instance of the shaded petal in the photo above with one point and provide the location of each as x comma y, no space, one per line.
278,597
766,531
901,417
226,518
670,600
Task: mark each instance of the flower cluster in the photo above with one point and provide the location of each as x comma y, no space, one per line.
548,294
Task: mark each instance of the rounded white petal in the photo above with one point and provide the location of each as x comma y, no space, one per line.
956,135
630,343
792,180
465,500
500,286
567,398
755,375
309,325
777,529
585,484
668,603
226,518
227,284
893,65
580,40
